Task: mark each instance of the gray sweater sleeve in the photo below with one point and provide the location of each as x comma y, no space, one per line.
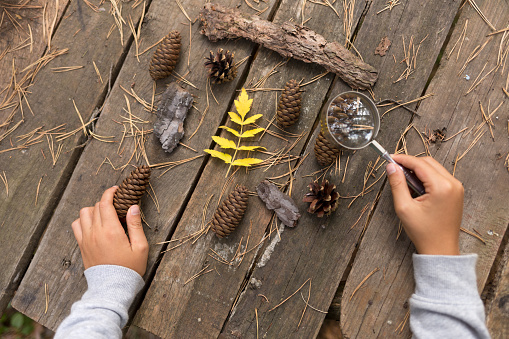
102,311
446,303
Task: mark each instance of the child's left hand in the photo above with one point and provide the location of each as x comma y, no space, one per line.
102,239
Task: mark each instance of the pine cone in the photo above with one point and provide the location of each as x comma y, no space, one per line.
323,198
231,211
288,108
166,56
325,152
130,191
221,66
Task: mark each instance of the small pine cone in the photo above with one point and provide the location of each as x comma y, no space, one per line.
323,198
231,211
325,152
221,66
288,108
130,191
166,56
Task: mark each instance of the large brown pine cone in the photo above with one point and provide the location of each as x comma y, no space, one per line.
323,198
288,108
166,56
221,66
131,190
230,212
325,152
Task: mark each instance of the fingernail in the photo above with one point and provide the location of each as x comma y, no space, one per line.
114,186
135,210
391,168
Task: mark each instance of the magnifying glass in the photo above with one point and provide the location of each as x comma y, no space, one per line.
352,121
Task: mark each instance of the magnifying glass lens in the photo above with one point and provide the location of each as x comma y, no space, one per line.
351,121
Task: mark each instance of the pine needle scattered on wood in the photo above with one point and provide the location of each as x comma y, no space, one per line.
409,102
362,282
46,296
306,305
462,37
478,49
37,191
282,302
3,176
199,274
402,324
481,14
472,234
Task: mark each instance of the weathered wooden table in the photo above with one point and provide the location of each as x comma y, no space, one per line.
359,248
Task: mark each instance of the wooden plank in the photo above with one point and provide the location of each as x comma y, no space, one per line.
23,42
498,312
58,261
380,306
285,263
51,100
173,304
22,39
318,251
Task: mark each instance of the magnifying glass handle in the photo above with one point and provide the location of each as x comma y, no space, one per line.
413,182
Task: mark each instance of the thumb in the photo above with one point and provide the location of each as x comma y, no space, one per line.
135,229
400,191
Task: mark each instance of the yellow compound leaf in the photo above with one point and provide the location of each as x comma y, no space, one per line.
235,118
250,148
252,132
223,156
231,130
251,120
243,104
246,162
224,143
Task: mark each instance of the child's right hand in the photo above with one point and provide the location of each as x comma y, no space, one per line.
102,239
432,221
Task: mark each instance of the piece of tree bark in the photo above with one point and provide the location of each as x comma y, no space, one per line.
282,204
289,40
172,111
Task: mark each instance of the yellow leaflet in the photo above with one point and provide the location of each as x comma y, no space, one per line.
252,132
246,162
235,118
251,120
223,156
231,130
249,148
224,143
243,104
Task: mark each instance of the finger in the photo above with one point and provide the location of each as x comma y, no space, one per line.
135,229
424,171
107,210
86,217
97,217
400,191
76,229
438,166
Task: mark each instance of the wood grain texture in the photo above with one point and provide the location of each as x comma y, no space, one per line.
173,308
498,314
383,297
58,260
15,39
320,249
23,220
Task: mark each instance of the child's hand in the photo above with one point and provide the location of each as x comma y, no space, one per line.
432,221
102,239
